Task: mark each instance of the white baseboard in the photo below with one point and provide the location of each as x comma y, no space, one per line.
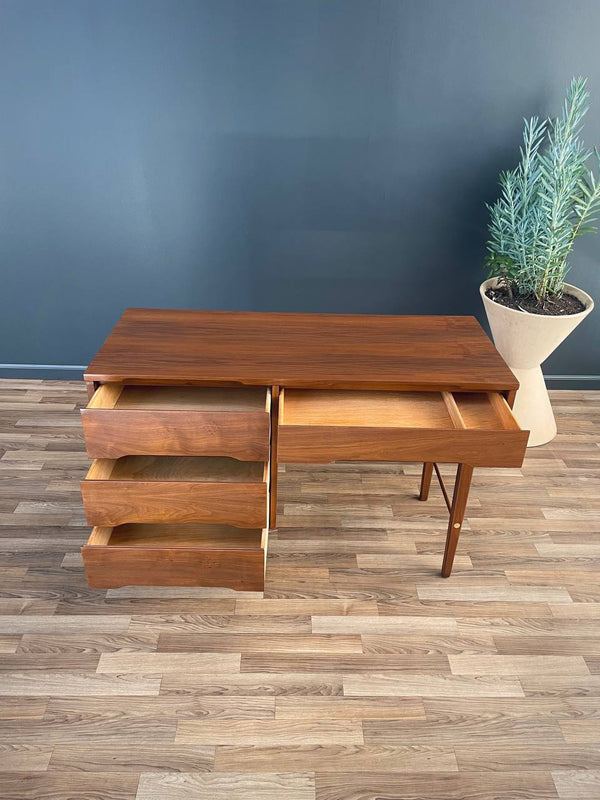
14,369
572,377
74,367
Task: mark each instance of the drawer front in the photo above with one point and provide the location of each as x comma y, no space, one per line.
307,444
112,567
112,502
328,426
176,555
122,421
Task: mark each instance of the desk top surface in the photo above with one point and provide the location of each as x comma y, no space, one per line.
344,351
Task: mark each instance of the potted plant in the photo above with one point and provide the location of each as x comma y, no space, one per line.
550,199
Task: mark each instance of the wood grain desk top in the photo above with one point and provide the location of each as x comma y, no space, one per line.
344,351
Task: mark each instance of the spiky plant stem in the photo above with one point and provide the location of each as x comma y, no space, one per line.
546,202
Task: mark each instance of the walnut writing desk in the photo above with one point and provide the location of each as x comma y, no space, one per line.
191,411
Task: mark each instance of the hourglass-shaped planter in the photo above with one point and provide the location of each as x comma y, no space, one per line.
525,341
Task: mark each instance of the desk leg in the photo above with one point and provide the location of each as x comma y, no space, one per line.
457,513
426,480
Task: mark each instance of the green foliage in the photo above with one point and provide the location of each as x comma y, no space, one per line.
546,202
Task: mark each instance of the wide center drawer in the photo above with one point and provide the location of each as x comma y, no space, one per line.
176,555
470,428
177,421
176,489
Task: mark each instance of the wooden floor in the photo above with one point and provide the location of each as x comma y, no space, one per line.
361,675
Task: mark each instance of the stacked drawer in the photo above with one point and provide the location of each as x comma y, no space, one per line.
178,491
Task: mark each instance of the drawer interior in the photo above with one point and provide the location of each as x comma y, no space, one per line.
485,411
205,469
180,398
370,409
204,537
428,410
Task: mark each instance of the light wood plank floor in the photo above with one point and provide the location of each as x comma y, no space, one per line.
360,675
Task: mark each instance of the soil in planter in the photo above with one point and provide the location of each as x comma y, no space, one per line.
556,306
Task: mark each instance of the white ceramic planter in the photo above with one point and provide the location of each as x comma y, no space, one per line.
525,341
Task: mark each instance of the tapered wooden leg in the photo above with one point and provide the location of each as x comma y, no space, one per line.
457,513
426,480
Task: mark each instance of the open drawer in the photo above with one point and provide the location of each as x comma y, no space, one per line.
177,421
176,489
176,555
470,428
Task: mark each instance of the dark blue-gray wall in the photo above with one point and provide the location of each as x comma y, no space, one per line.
305,155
